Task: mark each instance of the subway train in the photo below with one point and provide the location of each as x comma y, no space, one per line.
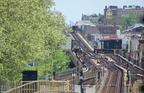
76,46
76,28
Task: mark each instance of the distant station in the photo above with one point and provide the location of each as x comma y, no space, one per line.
111,43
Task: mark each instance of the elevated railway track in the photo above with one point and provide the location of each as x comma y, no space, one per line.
116,65
116,74
115,82
92,71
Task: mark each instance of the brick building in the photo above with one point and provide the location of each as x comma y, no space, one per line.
108,29
88,17
110,12
113,14
133,42
139,11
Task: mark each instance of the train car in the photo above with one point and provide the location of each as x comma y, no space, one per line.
76,46
75,28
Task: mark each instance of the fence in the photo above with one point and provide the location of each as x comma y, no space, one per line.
6,85
137,86
40,86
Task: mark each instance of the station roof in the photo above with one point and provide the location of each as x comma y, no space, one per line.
106,39
75,25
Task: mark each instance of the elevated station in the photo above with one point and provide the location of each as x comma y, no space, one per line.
111,43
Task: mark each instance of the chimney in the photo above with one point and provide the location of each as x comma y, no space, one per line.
124,6
114,27
105,11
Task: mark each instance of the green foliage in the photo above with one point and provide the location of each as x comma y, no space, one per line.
122,29
61,60
57,62
28,31
94,21
101,18
129,20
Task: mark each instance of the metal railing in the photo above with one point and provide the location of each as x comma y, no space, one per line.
137,86
41,86
6,85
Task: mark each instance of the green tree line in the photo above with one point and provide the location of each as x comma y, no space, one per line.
29,30
128,20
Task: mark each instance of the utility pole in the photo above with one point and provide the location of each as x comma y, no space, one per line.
81,81
73,75
128,81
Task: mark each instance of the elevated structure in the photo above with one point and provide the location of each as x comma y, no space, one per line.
111,43
41,86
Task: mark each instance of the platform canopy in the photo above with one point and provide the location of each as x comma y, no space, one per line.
106,39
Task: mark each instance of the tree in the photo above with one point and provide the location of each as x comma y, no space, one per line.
57,62
28,31
129,20
101,18
94,21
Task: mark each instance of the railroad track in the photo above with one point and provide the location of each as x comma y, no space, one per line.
86,52
83,44
113,69
115,77
114,82
116,74
84,62
129,66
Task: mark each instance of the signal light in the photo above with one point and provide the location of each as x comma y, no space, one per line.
128,79
78,68
128,82
78,71
127,66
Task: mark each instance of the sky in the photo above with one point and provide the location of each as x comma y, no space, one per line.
73,9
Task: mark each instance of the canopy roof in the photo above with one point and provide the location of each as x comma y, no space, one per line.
104,39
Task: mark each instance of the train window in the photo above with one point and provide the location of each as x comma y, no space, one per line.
74,43
74,28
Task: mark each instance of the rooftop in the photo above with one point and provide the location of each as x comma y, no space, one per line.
105,39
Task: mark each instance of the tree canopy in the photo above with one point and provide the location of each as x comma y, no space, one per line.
129,20
101,18
94,21
29,30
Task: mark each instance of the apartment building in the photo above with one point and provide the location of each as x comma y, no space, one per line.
141,50
110,12
126,10
113,14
